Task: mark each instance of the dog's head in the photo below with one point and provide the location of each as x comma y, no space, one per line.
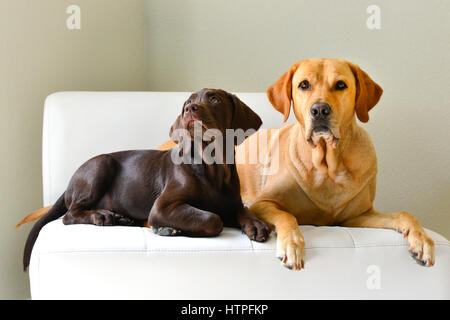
326,94
214,109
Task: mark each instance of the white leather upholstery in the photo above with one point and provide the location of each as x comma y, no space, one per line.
85,261
90,262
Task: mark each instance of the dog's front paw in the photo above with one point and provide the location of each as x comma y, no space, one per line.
166,231
122,220
421,247
256,230
102,217
291,249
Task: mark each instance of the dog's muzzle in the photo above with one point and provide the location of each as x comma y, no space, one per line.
320,114
320,124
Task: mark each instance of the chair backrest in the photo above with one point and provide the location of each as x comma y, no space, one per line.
80,125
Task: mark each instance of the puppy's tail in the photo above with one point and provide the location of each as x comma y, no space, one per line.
58,210
34,216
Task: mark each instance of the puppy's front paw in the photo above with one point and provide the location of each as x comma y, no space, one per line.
122,220
421,247
256,229
291,249
166,231
102,218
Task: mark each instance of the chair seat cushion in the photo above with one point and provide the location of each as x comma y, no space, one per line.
86,261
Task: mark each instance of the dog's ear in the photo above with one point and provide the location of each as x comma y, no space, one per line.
368,93
280,93
176,129
243,117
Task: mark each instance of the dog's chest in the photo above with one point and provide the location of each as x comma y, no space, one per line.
224,203
219,193
329,193
325,193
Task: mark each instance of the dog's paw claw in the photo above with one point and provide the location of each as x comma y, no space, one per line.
291,250
166,231
421,248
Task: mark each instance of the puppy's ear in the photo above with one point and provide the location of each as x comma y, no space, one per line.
243,117
368,93
280,93
176,130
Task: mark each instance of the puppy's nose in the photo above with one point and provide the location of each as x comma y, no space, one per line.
190,108
320,110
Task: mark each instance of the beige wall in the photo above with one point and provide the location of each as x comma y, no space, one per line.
237,45
247,45
38,56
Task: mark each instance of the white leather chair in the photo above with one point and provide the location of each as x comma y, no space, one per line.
90,262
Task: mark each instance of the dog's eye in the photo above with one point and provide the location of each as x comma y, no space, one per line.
214,99
304,85
340,85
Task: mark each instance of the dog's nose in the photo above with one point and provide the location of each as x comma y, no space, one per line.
190,108
320,110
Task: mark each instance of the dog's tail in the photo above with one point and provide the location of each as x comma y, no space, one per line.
58,210
167,145
34,216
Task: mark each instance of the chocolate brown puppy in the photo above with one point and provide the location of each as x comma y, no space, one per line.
146,187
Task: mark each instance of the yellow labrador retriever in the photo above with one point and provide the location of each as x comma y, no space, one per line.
320,170
326,164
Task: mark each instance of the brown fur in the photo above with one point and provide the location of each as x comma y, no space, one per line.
146,187
35,215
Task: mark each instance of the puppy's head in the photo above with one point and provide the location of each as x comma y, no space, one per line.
214,109
326,94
